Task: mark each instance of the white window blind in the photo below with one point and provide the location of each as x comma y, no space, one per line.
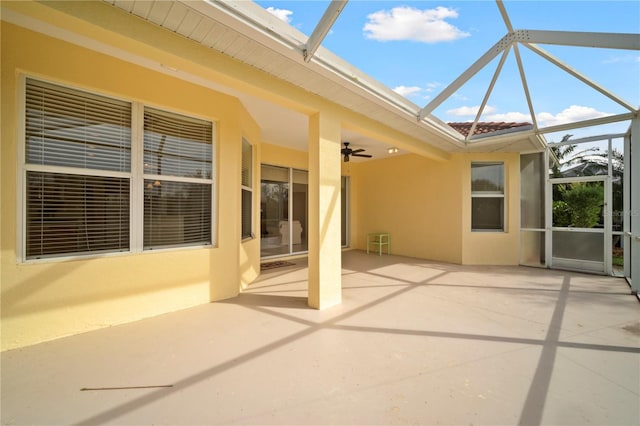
247,188
176,145
78,159
178,184
72,214
72,128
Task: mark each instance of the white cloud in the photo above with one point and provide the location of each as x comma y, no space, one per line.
624,59
469,111
417,92
508,117
282,14
408,91
459,97
408,23
431,87
569,115
545,119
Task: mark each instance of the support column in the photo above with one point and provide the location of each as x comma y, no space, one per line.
634,194
325,253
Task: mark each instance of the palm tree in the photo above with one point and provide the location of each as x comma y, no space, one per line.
565,155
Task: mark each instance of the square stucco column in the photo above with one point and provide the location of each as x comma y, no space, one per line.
325,262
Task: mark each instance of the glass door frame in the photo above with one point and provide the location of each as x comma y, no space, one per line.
606,267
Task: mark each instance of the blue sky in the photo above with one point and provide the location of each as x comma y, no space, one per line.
419,47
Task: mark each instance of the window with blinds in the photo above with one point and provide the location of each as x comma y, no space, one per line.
247,188
178,168
77,171
79,175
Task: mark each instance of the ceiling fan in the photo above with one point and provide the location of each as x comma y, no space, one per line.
346,152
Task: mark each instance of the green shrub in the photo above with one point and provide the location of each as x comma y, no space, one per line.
584,203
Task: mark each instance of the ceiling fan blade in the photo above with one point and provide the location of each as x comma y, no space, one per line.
362,155
358,150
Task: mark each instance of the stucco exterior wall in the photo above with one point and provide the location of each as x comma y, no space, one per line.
415,199
284,157
48,299
426,207
491,248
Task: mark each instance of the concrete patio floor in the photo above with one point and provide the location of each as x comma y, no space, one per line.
414,342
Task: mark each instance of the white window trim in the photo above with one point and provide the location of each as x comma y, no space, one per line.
136,176
21,231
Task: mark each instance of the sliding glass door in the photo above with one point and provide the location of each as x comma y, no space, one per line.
283,211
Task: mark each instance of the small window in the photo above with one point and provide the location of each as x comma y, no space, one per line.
247,189
487,197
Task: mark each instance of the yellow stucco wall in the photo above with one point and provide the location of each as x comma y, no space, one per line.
492,248
48,299
275,155
415,199
426,207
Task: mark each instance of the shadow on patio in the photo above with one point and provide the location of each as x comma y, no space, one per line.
413,342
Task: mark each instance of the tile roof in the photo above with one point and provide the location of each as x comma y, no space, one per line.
486,127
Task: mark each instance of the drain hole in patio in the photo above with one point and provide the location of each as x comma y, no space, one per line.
277,264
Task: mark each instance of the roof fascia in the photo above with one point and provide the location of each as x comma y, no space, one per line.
497,143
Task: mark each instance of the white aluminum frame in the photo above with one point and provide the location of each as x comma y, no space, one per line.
529,39
633,190
576,264
322,29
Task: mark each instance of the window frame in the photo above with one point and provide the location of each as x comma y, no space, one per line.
247,189
290,171
490,195
135,175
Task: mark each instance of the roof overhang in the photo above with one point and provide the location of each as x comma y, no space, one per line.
245,33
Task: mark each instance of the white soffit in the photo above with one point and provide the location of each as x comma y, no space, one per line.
246,32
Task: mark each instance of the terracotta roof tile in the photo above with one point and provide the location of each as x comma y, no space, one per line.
485,127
